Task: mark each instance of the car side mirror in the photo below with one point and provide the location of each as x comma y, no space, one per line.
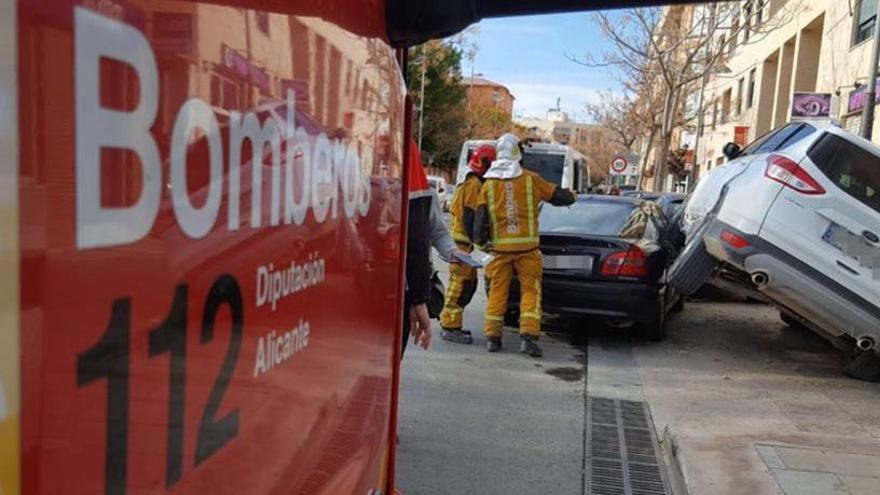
732,150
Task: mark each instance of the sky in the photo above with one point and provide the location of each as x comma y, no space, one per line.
529,56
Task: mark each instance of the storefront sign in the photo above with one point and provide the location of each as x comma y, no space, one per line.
239,64
811,105
857,98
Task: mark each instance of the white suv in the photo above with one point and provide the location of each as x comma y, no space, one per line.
796,216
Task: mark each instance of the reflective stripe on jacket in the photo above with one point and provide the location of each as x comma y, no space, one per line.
512,207
463,209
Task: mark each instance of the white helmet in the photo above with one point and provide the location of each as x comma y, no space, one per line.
507,159
507,148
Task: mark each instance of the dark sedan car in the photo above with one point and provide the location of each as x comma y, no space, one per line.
606,257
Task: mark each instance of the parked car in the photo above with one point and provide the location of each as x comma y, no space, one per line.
607,257
796,216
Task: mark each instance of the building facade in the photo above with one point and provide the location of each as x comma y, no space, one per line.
814,46
485,93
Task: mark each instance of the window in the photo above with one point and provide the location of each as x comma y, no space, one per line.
600,218
747,24
740,87
549,166
725,106
759,11
714,113
225,93
852,168
262,22
722,42
750,100
734,36
865,19
780,139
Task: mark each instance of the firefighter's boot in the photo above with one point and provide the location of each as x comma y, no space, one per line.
529,345
493,344
456,336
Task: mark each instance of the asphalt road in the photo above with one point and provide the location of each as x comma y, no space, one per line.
729,391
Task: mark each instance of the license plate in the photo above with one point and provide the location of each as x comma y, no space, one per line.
568,262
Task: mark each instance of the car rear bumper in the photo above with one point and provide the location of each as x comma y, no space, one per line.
614,300
798,287
827,305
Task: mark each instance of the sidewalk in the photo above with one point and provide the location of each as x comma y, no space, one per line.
745,405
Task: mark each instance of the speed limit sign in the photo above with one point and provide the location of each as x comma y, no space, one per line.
618,165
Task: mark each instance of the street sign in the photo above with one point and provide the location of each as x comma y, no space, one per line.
624,165
618,165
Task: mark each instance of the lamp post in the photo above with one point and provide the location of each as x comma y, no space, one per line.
871,90
422,97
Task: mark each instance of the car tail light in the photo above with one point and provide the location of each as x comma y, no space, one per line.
629,263
734,240
790,174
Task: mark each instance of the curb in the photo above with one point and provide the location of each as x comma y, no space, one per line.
676,473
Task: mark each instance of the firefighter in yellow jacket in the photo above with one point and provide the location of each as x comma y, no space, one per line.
463,278
507,223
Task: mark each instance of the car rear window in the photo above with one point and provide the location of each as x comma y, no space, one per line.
587,217
852,168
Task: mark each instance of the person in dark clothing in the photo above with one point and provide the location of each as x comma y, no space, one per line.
416,321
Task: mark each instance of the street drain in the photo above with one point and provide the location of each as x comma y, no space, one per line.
621,452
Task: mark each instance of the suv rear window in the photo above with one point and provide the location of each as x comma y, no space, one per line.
779,140
851,168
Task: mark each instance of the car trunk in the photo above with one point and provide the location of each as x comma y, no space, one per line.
583,256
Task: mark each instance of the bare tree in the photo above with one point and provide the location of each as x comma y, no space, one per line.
620,117
665,52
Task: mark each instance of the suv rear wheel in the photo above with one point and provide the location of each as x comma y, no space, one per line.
859,364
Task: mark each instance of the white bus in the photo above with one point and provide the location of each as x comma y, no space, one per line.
557,163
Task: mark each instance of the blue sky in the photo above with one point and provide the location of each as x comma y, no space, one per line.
528,55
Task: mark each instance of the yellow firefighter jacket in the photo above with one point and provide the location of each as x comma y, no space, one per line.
511,206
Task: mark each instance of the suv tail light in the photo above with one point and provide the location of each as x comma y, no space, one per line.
790,174
734,240
629,263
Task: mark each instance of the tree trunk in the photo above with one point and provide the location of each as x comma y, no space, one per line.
670,106
647,153
661,159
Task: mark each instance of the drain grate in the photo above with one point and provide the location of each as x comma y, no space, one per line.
621,453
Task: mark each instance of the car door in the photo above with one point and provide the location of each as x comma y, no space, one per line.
834,229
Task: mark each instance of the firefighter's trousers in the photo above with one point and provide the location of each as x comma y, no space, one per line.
459,292
529,267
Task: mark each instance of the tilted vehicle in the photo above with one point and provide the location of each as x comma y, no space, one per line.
606,257
796,216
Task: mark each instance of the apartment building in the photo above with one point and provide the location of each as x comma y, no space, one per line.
785,47
485,93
